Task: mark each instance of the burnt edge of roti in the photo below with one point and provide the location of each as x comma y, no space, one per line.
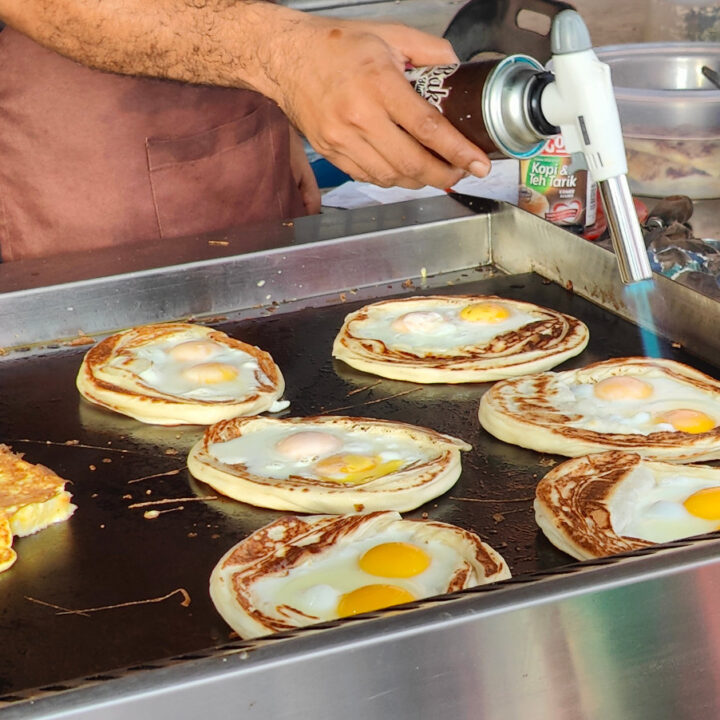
575,497
122,344
536,408
276,549
424,471
552,331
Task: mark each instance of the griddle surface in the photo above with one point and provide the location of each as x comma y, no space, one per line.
109,554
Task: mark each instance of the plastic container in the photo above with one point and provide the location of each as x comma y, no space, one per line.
676,20
670,115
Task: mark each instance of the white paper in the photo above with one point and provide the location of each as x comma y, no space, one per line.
500,184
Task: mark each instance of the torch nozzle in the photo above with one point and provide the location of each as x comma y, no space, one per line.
625,230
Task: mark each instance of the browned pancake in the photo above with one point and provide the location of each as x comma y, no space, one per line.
529,412
427,463
546,339
615,502
291,544
109,376
571,505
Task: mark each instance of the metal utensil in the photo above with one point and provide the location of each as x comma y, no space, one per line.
711,75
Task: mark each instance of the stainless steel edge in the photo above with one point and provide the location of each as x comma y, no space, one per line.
328,254
638,638
522,242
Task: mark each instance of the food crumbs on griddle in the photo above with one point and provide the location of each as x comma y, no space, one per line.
223,243
3,351
425,516
343,297
498,517
192,534
546,282
569,286
71,442
171,451
86,611
94,495
82,339
107,460
127,497
290,223
676,345
407,284
547,462
92,467
151,514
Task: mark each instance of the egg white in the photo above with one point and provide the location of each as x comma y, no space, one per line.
651,508
632,415
451,333
155,367
258,453
316,586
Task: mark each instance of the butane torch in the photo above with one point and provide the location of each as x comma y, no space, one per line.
522,105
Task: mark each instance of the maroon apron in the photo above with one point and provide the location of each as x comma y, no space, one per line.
91,159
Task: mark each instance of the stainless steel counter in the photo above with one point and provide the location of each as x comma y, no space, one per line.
631,637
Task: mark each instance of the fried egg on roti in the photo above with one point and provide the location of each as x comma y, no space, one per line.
659,408
457,338
328,464
614,502
302,570
180,373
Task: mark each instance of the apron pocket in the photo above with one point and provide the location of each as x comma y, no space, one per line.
229,175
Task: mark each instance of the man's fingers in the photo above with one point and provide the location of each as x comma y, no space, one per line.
363,162
434,131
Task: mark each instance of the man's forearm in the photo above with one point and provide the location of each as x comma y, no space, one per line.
221,42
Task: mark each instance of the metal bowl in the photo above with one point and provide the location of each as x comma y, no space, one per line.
670,114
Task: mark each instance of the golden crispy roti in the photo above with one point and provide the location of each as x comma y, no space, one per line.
328,464
302,570
659,408
31,498
457,338
180,373
615,502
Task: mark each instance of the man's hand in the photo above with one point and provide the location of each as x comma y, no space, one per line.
344,87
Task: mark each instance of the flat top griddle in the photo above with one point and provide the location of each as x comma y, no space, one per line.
109,554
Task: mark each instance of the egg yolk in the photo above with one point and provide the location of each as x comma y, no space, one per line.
193,351
704,503
307,444
418,322
210,373
355,468
394,560
485,313
372,597
689,421
622,387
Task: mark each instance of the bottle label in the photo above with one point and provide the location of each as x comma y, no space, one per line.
553,187
430,82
